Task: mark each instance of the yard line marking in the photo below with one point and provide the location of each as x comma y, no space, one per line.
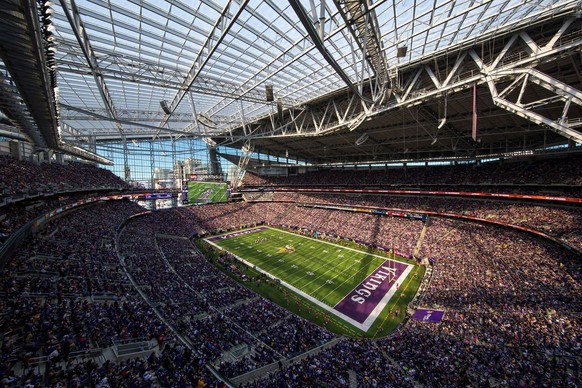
348,278
316,260
334,268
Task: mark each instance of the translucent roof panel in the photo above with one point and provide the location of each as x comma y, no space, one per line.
213,58
425,27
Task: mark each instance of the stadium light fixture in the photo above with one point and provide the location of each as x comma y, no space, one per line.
362,139
442,123
209,141
206,121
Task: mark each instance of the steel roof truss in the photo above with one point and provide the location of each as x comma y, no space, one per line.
347,115
319,44
81,34
220,30
563,92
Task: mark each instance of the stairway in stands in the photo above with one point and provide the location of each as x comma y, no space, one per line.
421,237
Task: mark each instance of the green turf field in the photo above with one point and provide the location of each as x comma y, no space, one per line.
325,271
206,192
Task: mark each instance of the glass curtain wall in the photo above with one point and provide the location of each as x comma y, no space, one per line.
156,164
161,163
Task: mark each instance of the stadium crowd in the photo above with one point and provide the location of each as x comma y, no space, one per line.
65,299
14,216
561,222
511,301
369,365
366,228
28,190
172,274
487,176
18,177
171,367
472,291
512,310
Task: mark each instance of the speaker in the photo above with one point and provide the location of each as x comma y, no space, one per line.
269,92
15,150
401,51
165,107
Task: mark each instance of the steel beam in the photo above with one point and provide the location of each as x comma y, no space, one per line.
78,135
318,42
80,32
115,69
364,27
122,115
22,49
456,81
15,110
84,154
213,40
562,92
122,121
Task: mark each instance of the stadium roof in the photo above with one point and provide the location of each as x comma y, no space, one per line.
352,80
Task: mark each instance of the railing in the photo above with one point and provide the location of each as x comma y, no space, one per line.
73,356
24,196
8,249
131,347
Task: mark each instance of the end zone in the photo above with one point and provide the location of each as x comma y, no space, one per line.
367,300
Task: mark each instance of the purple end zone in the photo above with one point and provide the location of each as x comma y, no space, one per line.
428,315
239,233
359,303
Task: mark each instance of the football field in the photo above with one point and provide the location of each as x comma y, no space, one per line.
206,192
353,285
